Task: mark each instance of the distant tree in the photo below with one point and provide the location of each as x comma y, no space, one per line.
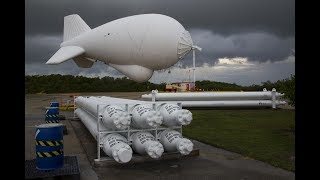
288,88
56,83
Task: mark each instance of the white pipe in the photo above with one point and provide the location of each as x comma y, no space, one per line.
210,96
250,103
273,98
194,65
114,145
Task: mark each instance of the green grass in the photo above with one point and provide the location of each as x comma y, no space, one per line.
263,134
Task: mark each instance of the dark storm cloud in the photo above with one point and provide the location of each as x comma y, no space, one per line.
256,46
246,73
212,24
259,30
40,48
221,16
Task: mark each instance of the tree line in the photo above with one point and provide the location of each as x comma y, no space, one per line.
56,83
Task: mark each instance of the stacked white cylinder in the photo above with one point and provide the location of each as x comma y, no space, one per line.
145,143
171,112
88,121
173,141
147,116
105,99
173,115
114,145
144,116
114,117
87,103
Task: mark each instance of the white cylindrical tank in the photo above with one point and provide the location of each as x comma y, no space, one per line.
173,141
173,115
113,100
87,104
115,145
88,121
146,143
143,116
114,117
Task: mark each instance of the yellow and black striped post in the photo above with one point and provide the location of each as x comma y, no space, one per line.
52,115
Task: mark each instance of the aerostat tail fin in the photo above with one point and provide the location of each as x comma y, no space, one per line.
73,26
65,53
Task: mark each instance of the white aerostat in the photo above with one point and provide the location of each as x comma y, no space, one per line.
173,115
114,117
173,141
135,45
144,116
114,145
146,143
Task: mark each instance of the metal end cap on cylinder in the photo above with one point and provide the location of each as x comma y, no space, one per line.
154,149
185,146
122,120
184,117
123,153
154,119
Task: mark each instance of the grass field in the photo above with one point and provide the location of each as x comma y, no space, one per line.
263,134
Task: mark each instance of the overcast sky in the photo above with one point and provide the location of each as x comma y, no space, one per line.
243,41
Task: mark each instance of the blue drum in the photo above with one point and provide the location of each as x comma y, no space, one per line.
52,115
49,146
55,104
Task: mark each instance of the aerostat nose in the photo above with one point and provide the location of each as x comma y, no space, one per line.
184,44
